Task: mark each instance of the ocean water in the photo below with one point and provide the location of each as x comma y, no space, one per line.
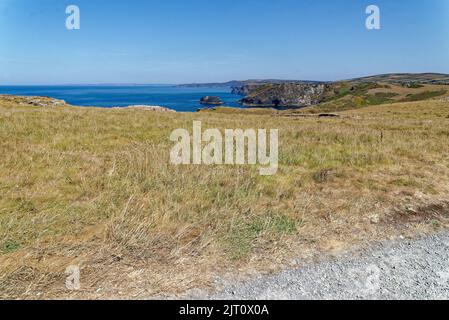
176,98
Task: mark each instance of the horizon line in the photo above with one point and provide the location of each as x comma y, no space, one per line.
218,82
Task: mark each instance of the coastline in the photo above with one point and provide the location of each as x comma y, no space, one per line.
175,98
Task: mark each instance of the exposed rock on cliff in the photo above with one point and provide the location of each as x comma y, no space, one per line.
285,95
246,89
34,101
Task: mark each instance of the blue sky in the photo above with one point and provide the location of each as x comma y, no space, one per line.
174,41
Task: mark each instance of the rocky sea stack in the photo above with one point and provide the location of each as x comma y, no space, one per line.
211,100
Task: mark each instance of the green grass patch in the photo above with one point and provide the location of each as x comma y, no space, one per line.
424,95
244,235
9,247
380,98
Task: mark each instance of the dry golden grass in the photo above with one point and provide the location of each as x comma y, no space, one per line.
94,187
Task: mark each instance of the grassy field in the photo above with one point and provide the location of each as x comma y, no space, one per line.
95,188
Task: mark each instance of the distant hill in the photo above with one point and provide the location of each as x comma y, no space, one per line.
399,78
241,83
423,78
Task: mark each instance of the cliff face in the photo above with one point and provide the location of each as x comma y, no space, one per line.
284,95
340,95
245,89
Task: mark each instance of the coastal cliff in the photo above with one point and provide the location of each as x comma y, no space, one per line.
344,95
284,95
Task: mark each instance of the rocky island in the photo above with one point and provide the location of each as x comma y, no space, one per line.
211,100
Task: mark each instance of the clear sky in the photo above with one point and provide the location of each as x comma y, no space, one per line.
179,41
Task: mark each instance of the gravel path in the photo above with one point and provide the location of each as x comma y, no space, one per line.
407,269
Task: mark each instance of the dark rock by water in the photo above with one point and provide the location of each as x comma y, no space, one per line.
211,100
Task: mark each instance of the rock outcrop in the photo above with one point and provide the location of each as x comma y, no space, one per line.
44,102
211,100
285,95
147,108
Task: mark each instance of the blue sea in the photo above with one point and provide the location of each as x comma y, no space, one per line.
181,99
